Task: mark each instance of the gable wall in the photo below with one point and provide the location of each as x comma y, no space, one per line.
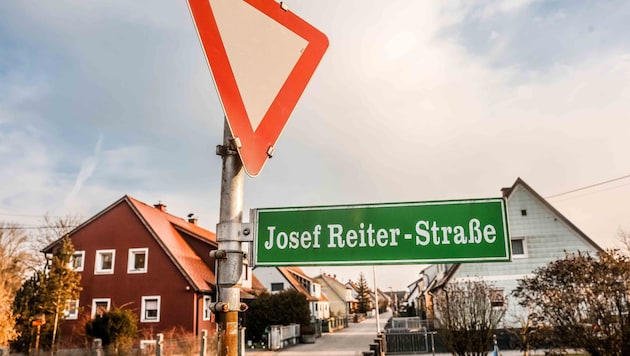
547,238
336,304
268,275
120,229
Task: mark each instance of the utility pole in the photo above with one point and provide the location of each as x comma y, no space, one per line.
229,255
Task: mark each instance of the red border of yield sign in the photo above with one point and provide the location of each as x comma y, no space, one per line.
255,145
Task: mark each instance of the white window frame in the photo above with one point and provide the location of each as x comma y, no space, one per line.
143,311
497,295
131,260
96,301
98,262
207,313
82,265
523,240
73,313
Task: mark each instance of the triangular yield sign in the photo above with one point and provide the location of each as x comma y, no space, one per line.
261,57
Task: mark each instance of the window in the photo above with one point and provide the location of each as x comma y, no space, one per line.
519,247
104,261
99,306
71,311
138,260
150,309
497,299
523,212
277,287
77,260
207,313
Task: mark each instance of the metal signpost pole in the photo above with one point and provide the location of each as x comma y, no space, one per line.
229,255
378,319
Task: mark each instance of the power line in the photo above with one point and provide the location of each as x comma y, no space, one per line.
18,227
589,186
30,215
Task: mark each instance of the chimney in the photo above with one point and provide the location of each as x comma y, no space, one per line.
192,219
161,206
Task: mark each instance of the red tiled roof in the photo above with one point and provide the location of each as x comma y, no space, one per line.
256,289
290,274
166,228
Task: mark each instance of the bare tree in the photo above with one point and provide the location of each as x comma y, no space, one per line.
583,300
15,260
469,315
624,238
21,258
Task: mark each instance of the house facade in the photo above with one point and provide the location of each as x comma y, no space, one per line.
539,234
420,296
139,257
277,279
339,295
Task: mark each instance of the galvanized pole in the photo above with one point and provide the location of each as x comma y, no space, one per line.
229,255
378,320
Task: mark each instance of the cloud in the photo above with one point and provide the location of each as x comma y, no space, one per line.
87,169
540,35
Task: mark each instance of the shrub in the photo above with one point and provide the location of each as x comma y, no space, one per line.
116,328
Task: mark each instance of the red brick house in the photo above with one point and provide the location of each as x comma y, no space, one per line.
140,257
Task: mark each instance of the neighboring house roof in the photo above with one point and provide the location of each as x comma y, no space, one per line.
445,278
338,288
352,285
251,293
292,274
168,230
355,290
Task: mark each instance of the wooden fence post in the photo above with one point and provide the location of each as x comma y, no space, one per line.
159,344
204,342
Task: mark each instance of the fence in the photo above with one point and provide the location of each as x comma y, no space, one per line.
333,324
410,323
408,336
204,345
282,336
409,342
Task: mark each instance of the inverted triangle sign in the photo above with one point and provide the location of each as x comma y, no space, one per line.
261,57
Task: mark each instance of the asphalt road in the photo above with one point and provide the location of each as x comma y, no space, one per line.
351,341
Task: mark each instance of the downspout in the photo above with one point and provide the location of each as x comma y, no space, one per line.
196,313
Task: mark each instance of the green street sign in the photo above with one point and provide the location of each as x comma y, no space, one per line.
396,233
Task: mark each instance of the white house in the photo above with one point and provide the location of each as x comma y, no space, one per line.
276,279
539,233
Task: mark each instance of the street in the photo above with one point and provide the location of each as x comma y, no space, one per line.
352,340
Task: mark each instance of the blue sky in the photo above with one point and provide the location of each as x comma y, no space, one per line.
414,100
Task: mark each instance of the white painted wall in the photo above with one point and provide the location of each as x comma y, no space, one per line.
547,238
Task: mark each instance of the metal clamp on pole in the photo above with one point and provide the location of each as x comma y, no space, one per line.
234,231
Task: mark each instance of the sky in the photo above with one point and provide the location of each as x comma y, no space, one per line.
413,101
